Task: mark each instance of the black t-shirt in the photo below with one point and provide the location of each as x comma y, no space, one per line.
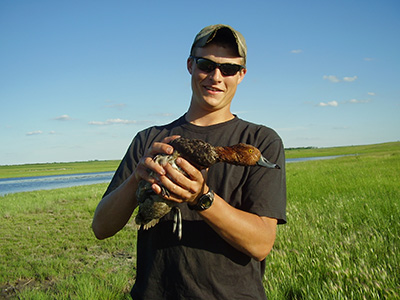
202,265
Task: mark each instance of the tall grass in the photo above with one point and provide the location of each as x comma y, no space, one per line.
48,250
341,240
342,237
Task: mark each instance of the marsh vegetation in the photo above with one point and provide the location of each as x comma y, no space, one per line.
341,240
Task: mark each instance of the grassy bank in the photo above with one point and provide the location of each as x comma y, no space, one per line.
360,150
30,170
341,240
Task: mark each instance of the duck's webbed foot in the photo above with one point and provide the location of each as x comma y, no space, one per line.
177,225
164,191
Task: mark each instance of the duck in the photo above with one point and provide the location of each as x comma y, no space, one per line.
152,207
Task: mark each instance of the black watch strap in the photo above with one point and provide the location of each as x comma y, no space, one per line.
204,202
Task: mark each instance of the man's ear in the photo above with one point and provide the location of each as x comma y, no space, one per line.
190,65
241,75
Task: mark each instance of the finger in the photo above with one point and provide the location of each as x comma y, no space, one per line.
187,188
163,146
158,148
195,180
174,199
178,191
177,177
147,161
156,188
143,174
171,196
168,139
190,170
147,165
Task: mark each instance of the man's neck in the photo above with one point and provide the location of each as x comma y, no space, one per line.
208,118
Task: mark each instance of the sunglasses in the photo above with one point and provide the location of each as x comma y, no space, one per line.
208,66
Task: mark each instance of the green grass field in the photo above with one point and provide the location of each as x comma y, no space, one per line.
30,170
341,241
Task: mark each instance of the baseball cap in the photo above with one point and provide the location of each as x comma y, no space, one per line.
207,34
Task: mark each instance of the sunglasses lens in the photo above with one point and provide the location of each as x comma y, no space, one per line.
208,66
229,69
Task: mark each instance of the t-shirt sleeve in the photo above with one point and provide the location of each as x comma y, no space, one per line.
127,165
265,189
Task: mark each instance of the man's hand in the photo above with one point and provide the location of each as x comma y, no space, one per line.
147,164
183,188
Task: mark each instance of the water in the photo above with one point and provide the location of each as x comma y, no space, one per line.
27,184
289,160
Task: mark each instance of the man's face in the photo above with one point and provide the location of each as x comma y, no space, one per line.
214,91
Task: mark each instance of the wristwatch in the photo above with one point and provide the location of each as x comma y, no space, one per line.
204,202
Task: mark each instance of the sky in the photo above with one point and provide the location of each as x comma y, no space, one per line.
79,79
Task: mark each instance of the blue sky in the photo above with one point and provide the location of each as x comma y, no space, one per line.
78,79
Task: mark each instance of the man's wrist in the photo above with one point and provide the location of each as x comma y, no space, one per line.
203,202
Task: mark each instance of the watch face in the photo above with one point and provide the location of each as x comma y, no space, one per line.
206,202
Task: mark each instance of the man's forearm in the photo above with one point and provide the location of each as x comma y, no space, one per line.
247,232
115,209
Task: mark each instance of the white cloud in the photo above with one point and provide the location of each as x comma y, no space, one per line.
296,51
350,79
368,58
371,94
358,101
331,78
63,118
36,132
331,103
335,79
113,121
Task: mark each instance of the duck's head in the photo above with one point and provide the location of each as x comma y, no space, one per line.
248,155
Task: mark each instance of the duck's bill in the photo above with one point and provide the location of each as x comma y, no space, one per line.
263,162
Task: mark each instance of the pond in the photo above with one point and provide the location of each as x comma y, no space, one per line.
25,184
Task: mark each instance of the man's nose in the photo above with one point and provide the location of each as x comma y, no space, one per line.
216,75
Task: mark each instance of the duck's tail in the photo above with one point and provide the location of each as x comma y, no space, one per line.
141,224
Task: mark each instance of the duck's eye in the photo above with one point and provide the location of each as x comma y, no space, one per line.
251,150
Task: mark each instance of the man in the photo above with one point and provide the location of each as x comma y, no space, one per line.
222,251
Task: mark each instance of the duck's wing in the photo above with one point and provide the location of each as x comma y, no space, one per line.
198,152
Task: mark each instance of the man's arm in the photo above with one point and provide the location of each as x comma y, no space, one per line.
116,208
247,232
